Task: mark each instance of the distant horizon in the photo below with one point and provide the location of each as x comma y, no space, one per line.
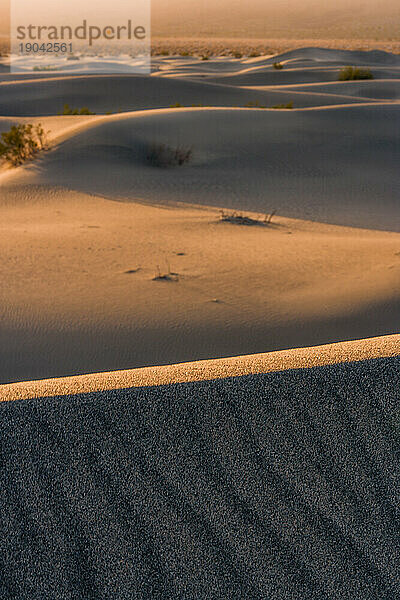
255,19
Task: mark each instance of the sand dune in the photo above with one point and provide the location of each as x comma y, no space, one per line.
291,75
351,57
377,90
328,165
266,475
80,290
216,82
47,96
87,225
207,370
280,485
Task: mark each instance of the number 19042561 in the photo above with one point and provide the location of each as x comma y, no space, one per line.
47,47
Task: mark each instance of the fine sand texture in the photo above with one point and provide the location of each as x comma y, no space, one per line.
112,260
279,482
81,293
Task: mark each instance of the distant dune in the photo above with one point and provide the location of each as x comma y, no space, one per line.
328,164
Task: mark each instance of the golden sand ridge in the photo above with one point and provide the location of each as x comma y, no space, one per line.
297,358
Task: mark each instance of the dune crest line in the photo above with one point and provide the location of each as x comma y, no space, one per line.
222,368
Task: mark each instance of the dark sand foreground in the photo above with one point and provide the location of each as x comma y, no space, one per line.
274,485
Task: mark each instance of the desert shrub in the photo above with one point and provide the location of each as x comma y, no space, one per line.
67,110
254,54
239,219
237,54
162,155
255,104
168,275
354,73
185,53
164,52
46,68
21,143
205,57
278,66
176,105
279,106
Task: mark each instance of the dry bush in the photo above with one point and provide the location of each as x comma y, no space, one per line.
354,73
167,276
240,219
22,143
162,155
255,104
288,105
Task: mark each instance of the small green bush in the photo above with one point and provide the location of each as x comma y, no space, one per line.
22,143
280,106
67,110
46,68
278,66
255,104
354,73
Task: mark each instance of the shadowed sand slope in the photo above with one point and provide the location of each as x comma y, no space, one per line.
47,96
279,485
384,89
337,165
80,295
190,81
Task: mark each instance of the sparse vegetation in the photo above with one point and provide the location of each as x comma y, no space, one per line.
45,68
185,53
168,275
255,104
278,66
205,57
22,143
162,155
241,219
67,110
354,73
288,105
176,105
237,54
254,54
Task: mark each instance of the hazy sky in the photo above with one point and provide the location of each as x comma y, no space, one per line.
257,18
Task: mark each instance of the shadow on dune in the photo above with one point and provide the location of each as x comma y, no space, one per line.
275,486
34,351
330,165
